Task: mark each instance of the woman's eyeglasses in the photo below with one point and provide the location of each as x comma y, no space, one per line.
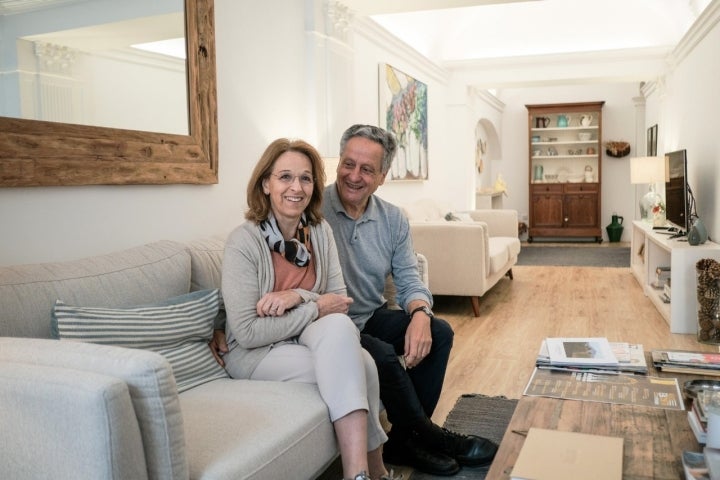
305,179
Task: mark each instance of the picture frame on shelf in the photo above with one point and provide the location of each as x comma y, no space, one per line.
652,138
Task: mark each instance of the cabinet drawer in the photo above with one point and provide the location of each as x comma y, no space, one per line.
581,188
548,188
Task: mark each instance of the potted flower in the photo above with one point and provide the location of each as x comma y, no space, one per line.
658,212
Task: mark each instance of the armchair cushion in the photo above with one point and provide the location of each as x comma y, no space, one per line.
178,329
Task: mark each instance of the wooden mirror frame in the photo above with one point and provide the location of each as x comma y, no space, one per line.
41,153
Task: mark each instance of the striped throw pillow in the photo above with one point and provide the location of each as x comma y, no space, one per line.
178,329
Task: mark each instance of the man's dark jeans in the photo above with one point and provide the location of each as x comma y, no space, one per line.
409,396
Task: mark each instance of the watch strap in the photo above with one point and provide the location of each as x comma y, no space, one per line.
422,309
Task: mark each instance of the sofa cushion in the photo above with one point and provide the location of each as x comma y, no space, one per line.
150,382
136,276
265,430
57,422
502,249
206,256
178,329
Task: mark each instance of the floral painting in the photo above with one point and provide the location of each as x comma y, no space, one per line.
403,111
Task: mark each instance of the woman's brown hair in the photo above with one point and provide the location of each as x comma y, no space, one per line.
259,203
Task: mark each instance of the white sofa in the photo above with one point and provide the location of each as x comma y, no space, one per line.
469,252
76,410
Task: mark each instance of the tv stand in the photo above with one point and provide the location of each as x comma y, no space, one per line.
651,249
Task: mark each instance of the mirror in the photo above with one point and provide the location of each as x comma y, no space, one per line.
43,153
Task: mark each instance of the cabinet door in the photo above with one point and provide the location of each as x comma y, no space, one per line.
547,210
581,210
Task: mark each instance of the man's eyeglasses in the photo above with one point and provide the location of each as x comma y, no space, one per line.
305,179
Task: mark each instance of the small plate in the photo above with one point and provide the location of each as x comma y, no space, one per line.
692,387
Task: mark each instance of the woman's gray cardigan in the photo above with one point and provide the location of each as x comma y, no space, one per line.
248,274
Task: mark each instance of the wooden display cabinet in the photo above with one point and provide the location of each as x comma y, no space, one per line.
565,170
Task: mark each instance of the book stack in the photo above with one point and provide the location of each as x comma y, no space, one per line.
697,417
683,361
662,282
557,354
703,465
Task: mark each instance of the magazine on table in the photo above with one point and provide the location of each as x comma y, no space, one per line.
683,361
630,357
580,352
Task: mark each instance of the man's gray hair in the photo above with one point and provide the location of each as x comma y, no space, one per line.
377,135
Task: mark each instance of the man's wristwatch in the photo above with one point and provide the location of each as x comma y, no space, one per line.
425,309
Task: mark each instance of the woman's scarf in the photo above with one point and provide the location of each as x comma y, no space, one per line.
294,250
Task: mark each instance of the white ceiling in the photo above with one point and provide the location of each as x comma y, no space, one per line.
476,30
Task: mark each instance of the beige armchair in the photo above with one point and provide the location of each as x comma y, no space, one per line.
469,253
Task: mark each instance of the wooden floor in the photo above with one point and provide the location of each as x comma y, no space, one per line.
494,354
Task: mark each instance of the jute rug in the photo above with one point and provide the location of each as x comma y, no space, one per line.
574,256
476,414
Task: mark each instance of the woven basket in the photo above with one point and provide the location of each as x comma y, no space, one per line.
617,149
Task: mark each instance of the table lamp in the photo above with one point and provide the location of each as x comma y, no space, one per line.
650,170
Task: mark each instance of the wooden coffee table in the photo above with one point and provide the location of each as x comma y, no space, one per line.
654,438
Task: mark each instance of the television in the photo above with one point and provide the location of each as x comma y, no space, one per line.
677,210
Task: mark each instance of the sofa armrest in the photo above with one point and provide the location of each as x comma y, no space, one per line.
150,382
500,222
458,253
63,423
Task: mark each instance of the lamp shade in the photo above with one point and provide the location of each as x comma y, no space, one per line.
647,170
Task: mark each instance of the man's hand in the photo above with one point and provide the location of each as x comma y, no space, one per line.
418,339
329,303
218,346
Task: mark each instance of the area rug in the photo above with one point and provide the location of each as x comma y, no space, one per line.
574,256
476,414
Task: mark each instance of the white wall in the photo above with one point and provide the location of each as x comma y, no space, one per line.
689,106
264,92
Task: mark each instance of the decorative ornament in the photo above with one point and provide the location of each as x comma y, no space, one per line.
617,149
480,149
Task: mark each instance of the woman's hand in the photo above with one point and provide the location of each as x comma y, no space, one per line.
332,303
274,304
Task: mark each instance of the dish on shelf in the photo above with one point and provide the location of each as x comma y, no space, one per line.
576,178
551,177
584,136
535,138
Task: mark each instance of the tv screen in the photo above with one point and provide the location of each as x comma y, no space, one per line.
676,190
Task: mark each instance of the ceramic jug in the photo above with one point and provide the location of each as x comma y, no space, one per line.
615,229
562,121
586,120
542,122
538,173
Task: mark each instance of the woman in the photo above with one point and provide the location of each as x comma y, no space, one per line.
286,303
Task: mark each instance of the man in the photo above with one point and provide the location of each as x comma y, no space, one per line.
373,240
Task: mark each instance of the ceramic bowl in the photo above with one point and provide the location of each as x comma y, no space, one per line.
551,177
584,136
692,387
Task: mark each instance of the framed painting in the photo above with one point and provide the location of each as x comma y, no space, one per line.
652,138
403,111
